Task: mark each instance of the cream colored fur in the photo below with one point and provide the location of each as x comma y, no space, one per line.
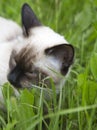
8,30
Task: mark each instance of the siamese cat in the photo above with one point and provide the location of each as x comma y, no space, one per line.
34,54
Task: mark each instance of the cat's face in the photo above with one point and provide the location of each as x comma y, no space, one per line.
44,54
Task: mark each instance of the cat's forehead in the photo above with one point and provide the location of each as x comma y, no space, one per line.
44,37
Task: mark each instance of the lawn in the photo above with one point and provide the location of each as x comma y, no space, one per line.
76,107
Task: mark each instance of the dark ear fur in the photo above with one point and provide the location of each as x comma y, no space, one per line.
29,19
64,53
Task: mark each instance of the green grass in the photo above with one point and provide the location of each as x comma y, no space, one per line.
76,107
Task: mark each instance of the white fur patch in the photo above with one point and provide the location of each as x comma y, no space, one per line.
8,30
43,37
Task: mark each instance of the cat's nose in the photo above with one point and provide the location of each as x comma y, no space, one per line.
14,78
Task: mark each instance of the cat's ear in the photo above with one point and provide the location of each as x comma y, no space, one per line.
29,19
63,54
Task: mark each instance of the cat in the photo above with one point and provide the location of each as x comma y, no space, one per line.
33,54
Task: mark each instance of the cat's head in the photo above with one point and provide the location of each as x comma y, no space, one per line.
44,54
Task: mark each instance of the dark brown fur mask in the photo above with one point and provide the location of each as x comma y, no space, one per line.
43,54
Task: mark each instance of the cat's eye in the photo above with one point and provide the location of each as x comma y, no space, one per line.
30,74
